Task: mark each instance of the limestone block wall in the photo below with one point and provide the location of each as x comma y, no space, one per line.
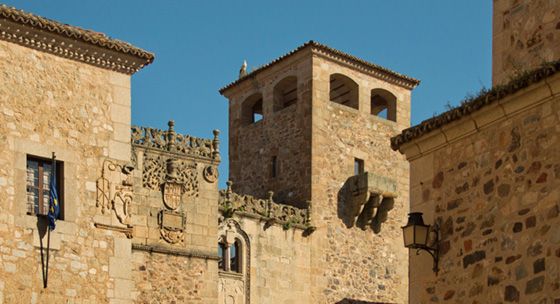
525,35
280,269
284,134
174,218
82,113
348,262
495,191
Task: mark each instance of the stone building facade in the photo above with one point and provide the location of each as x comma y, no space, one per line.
323,113
487,172
310,214
316,197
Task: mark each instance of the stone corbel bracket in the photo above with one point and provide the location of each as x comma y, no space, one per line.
367,200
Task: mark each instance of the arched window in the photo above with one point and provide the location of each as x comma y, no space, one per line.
285,93
343,90
235,255
384,104
252,109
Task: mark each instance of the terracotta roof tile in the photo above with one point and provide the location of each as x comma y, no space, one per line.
405,80
73,32
471,105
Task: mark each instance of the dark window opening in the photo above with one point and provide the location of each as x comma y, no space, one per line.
235,257
383,104
274,166
222,250
358,166
257,111
343,90
252,109
285,93
38,179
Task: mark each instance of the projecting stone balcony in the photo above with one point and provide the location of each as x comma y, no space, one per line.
366,199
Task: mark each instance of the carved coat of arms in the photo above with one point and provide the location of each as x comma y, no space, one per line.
172,193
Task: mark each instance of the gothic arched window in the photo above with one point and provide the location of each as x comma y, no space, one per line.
234,263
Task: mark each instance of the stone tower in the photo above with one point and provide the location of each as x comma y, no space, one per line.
315,125
525,35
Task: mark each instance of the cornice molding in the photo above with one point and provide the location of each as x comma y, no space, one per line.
71,42
524,100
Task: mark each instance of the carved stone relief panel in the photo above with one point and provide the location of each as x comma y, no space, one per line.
176,179
211,174
159,169
115,195
172,226
231,290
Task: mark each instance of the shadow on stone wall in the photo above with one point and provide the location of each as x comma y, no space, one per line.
352,301
344,212
363,203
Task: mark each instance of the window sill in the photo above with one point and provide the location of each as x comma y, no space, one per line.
31,222
230,274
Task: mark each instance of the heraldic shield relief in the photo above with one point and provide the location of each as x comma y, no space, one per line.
172,193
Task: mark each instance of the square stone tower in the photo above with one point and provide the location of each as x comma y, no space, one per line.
524,36
315,125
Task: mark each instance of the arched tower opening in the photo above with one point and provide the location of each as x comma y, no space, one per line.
384,104
343,90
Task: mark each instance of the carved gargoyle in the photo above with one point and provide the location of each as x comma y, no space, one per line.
366,200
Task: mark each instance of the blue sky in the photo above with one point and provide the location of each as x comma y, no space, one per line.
200,45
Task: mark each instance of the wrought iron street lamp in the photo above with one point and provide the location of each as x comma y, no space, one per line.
416,236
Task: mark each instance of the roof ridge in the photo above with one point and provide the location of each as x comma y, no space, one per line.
410,81
74,32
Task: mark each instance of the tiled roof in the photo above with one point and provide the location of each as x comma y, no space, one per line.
471,105
73,32
403,79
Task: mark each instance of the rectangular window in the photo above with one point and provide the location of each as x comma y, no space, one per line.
358,166
274,167
222,249
38,178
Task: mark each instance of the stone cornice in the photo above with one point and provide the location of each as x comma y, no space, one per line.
334,54
265,210
486,98
523,100
170,142
71,42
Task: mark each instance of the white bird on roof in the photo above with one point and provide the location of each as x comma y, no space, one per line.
243,70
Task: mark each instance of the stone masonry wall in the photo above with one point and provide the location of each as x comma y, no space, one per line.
284,134
174,217
526,33
496,194
280,263
50,104
351,263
